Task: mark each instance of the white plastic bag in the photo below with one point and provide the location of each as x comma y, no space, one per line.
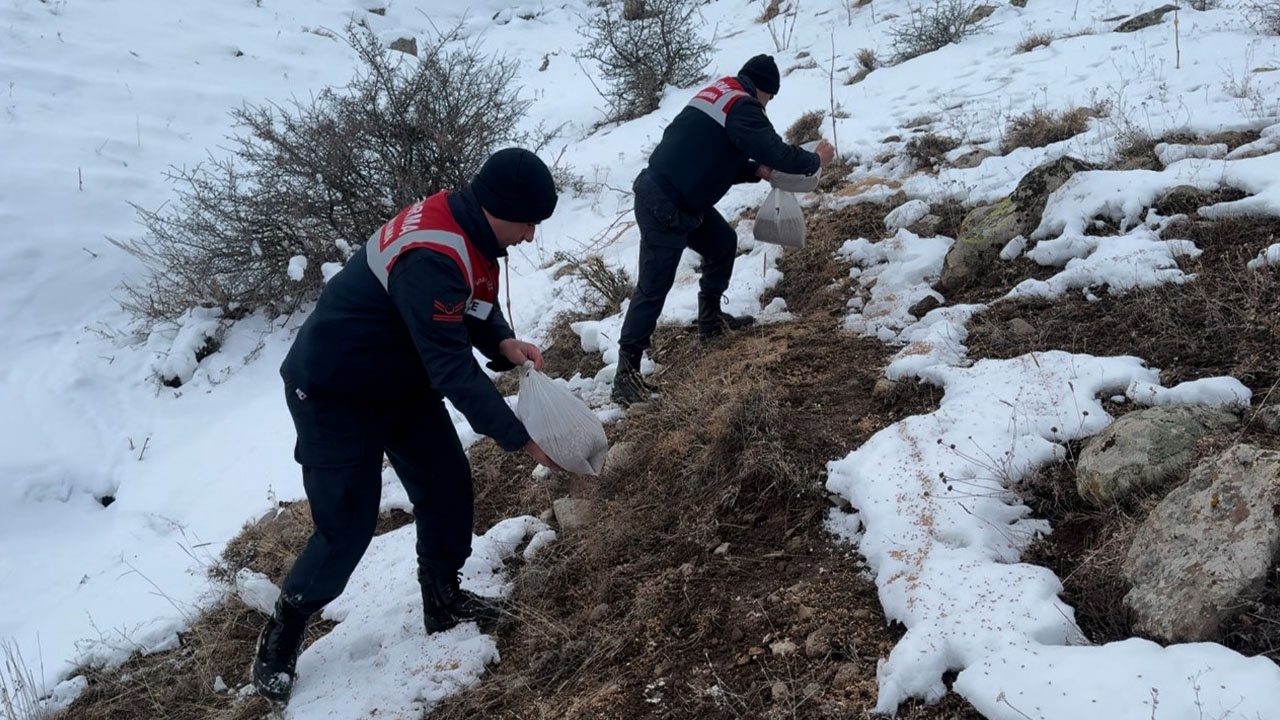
792,182
780,220
562,425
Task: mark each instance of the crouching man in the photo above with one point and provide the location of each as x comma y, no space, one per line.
390,338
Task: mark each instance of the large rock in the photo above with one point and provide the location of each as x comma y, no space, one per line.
1146,19
1207,548
1143,450
1034,189
573,513
405,45
984,232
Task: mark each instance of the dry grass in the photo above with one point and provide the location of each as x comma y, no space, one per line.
1226,322
771,11
928,151
806,128
1033,41
867,59
1040,127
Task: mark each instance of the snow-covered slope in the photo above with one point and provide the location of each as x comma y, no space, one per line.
98,98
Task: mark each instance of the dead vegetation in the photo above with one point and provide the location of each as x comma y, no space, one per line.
806,128
1041,127
928,151
1033,41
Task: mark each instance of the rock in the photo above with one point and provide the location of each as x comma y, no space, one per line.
573,513
811,690
1144,449
885,390
972,159
980,13
983,234
1146,19
1018,3
779,691
862,614
721,549
1182,200
547,515
406,45
804,613
736,635
847,675
621,457
640,408
1035,187
599,612
818,644
926,226
1021,328
923,307
1270,419
1207,548
783,648
378,11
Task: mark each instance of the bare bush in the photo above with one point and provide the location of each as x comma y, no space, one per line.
806,128
928,150
316,177
640,58
1264,15
1041,127
1203,5
934,26
603,289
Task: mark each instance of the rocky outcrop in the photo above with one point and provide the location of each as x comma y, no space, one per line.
1144,449
1207,548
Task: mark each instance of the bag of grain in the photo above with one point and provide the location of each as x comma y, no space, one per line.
563,426
780,220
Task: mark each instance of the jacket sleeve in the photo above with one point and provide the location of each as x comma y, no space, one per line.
752,133
747,174
429,291
487,334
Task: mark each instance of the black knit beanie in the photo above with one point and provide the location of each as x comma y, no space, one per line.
763,71
515,185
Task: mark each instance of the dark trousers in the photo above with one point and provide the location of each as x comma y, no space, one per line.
340,447
665,231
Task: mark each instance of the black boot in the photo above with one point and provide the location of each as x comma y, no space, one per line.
445,604
628,386
713,322
278,646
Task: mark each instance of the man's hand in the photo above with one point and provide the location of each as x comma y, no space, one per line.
518,352
536,453
764,172
826,151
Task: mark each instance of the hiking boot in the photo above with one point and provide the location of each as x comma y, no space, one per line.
714,322
278,646
628,385
445,604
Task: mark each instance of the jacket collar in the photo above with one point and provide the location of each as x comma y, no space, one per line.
747,85
470,217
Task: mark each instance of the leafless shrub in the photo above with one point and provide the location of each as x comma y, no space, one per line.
1264,15
935,25
640,58
1203,5
806,128
603,288
317,177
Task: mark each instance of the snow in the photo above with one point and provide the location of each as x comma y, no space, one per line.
1270,256
257,591
1120,264
1170,153
99,99
908,213
297,267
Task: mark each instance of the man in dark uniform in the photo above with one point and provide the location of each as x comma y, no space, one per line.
390,338
722,137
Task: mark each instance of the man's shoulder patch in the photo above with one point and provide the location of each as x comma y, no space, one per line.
448,312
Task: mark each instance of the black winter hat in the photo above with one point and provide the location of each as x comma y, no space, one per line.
515,185
763,71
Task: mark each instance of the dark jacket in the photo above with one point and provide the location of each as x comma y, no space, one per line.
698,160
368,344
